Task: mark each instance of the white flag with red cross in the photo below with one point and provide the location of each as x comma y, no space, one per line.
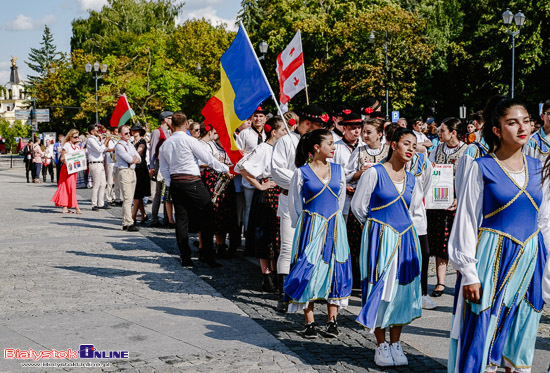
291,70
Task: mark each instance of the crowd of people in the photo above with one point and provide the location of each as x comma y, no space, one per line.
331,203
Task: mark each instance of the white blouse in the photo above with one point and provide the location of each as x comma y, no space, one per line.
257,163
468,219
424,180
367,182
247,140
296,199
70,148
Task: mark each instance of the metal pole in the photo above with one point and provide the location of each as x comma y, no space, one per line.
513,60
387,75
96,108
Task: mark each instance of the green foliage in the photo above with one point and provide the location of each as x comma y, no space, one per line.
42,59
10,132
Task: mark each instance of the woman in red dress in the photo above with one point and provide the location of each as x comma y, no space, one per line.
65,195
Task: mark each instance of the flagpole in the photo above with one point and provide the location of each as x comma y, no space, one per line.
265,78
305,74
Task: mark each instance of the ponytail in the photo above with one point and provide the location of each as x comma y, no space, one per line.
306,145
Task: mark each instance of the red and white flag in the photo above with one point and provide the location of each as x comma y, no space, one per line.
291,70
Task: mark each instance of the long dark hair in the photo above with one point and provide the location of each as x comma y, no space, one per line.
397,135
305,146
496,108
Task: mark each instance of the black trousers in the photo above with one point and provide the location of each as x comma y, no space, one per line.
47,169
192,199
58,170
425,248
28,169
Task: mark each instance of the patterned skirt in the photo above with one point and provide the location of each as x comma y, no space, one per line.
440,223
225,207
263,237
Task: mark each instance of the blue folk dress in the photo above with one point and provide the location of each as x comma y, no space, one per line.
507,258
321,266
390,258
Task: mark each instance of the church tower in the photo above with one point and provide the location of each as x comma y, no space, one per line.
12,95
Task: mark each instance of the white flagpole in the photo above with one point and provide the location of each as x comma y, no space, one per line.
265,78
305,75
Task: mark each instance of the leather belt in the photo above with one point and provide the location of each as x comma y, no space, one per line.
96,162
182,178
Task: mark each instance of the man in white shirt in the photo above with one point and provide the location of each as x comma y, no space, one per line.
423,143
352,124
179,158
95,149
126,159
110,169
247,140
282,169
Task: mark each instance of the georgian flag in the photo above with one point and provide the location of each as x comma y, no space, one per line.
291,70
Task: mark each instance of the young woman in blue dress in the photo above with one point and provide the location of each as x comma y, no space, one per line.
498,246
320,269
390,260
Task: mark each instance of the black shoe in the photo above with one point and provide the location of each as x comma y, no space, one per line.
117,203
155,223
211,262
95,208
133,228
282,307
311,330
105,207
223,252
438,293
124,227
267,284
187,263
332,329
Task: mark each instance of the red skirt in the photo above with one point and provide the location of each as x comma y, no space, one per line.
65,195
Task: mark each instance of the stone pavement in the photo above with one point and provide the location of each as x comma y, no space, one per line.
72,280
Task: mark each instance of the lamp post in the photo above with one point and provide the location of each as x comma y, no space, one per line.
519,20
263,49
97,67
372,38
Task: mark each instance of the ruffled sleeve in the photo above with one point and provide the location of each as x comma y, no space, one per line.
361,197
463,238
256,162
295,197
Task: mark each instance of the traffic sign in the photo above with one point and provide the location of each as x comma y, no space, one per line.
394,116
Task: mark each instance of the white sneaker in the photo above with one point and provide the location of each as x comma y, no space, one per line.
382,356
397,354
428,303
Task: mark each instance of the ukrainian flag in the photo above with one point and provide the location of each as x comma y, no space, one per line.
243,89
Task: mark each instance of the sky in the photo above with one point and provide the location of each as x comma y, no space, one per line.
22,24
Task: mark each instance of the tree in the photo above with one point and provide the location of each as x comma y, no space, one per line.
41,59
10,132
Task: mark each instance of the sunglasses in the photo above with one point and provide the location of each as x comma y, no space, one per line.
75,137
124,133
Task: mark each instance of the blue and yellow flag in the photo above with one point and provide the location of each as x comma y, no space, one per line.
243,89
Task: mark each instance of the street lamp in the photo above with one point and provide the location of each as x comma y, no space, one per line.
519,20
372,38
97,68
263,49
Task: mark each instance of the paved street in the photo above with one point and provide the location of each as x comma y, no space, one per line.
70,280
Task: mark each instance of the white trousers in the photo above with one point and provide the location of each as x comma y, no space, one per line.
109,176
287,236
98,192
127,178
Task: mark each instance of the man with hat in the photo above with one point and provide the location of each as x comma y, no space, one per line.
282,169
340,112
371,108
158,137
96,149
353,124
247,140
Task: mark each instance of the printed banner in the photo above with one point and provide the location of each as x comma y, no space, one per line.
441,193
76,161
